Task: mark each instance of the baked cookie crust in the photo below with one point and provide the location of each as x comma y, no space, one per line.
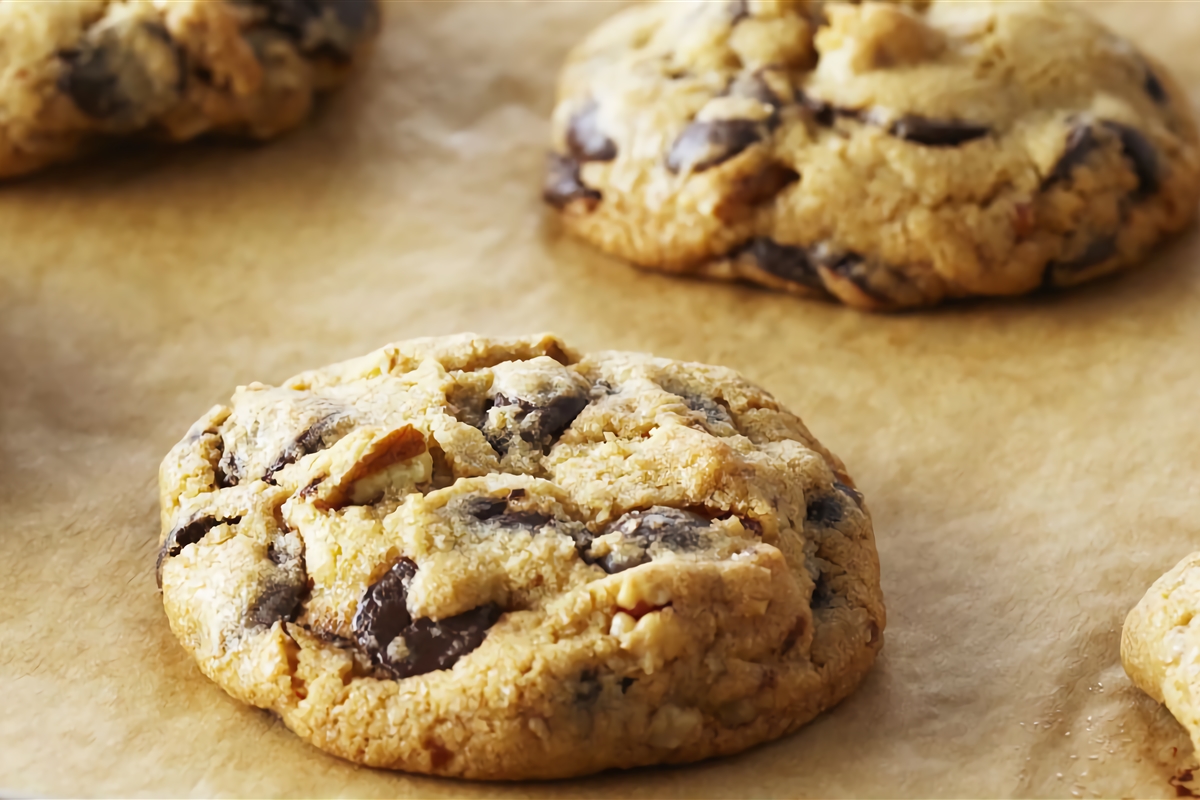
497,558
883,155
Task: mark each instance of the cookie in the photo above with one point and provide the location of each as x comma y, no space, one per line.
75,73
882,155
494,558
1160,643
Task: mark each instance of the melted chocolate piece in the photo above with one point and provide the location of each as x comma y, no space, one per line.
762,185
822,111
754,86
676,529
322,27
383,616
279,598
703,145
187,533
108,79
1154,87
1099,251
537,421
1138,149
562,183
853,494
783,261
826,511
585,140
1080,142
312,440
936,132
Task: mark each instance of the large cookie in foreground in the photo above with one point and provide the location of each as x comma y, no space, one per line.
883,155
74,73
492,558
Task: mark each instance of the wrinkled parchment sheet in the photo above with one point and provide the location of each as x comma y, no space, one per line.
1031,465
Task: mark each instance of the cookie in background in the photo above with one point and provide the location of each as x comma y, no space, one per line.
75,73
882,155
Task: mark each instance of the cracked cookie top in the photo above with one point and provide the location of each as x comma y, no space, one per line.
452,518
882,154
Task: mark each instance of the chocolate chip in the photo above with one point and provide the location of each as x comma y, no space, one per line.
1154,87
853,494
484,508
936,132
822,596
90,80
822,111
783,261
109,79
825,510
316,437
705,144
429,645
1080,142
562,184
758,187
322,27
671,527
755,87
585,140
626,683
1138,149
1097,252
187,533
536,420
279,598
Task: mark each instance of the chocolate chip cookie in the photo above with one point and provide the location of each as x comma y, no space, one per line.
494,558
1160,643
883,155
74,73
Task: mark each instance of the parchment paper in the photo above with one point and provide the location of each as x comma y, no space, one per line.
1031,465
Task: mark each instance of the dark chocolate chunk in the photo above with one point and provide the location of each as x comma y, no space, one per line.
626,683
187,533
1098,251
1138,149
1081,141
705,144
562,183
585,140
313,439
108,77
672,527
825,510
853,494
760,186
822,111
1154,87
279,598
822,596
936,132
537,421
430,645
322,27
783,261
484,508
754,86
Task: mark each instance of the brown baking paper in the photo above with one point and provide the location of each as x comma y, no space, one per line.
1031,465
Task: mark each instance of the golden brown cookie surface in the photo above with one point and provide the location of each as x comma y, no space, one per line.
497,559
884,155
